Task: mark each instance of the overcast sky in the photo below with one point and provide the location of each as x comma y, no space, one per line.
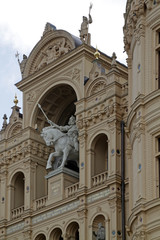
22,24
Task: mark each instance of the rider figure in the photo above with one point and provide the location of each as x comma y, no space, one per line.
71,130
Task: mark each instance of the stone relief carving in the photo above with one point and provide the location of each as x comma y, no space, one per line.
76,74
98,87
15,130
57,48
31,96
23,150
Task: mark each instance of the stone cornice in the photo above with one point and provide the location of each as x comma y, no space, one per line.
73,56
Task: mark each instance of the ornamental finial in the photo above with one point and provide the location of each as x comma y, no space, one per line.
15,100
96,54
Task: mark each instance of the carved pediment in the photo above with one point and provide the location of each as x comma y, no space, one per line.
52,45
52,51
100,85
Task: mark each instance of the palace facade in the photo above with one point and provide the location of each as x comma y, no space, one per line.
114,190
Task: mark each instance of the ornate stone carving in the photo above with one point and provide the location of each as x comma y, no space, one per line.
22,150
31,96
49,53
76,75
98,87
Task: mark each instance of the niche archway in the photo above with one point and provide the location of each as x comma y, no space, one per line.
17,194
100,154
40,237
73,231
98,225
58,104
56,234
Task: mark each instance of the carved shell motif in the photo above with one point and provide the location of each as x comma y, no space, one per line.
98,87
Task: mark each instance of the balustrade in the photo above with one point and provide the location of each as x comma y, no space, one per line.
99,179
41,202
17,212
71,190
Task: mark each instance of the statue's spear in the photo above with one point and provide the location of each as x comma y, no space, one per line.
90,19
43,112
90,7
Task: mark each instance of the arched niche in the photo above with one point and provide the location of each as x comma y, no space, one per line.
56,234
40,236
73,231
58,104
98,227
17,194
100,154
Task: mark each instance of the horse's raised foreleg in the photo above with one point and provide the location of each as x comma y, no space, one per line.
49,162
65,154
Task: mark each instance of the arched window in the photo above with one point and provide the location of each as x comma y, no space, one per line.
100,156
158,57
19,190
17,195
40,237
73,231
56,234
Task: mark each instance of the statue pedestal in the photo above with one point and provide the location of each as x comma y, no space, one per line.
58,180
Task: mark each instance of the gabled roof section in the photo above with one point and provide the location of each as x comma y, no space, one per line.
52,45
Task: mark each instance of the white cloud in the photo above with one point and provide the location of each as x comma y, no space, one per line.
22,24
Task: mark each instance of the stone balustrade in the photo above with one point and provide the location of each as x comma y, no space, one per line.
17,212
41,202
71,190
99,179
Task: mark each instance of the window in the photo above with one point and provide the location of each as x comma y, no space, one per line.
158,58
158,164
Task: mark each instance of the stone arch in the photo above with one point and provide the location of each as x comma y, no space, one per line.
98,226
56,234
50,39
58,102
17,194
14,129
72,230
96,86
99,148
40,236
18,190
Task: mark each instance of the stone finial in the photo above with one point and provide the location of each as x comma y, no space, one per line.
4,122
49,27
114,63
96,54
15,100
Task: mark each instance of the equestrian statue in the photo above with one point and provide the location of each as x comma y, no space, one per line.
64,139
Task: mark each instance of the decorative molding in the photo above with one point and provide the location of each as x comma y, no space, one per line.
53,50
100,85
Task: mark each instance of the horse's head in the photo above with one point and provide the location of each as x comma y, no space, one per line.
47,135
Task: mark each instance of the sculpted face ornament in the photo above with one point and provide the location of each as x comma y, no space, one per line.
64,139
